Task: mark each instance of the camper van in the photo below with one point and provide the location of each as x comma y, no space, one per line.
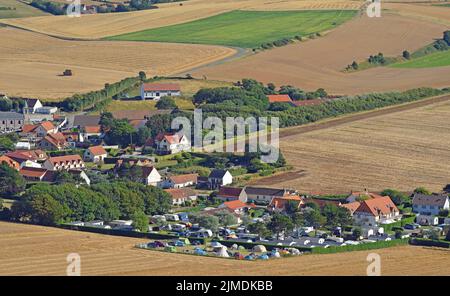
172,217
202,233
178,227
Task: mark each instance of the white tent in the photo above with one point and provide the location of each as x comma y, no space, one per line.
234,247
222,252
259,248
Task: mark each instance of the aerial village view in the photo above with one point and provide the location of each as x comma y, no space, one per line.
224,137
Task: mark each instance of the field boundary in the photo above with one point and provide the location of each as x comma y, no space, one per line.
302,129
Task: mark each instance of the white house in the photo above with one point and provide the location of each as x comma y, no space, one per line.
373,212
218,178
155,91
170,143
181,195
429,205
65,162
95,154
180,181
150,176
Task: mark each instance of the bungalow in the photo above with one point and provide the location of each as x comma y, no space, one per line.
265,195
430,204
181,195
180,181
372,212
95,154
90,132
155,91
280,204
279,99
236,206
150,176
170,143
218,178
4,159
33,174
56,141
29,158
232,193
65,162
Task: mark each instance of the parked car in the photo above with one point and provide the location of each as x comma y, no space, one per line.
410,227
178,227
172,217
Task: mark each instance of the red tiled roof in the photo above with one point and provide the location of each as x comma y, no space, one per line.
280,202
366,194
352,207
161,87
97,150
177,193
92,129
237,204
171,138
382,205
56,139
32,172
279,98
65,159
10,162
28,128
47,125
19,156
181,179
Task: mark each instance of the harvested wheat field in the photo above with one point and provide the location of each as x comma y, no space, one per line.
425,11
36,250
401,150
31,63
319,63
109,24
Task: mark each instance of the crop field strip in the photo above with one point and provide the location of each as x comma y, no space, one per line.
437,59
37,250
245,28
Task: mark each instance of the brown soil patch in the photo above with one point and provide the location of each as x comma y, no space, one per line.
30,63
318,63
35,250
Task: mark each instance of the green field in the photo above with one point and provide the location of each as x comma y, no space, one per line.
247,29
16,9
437,59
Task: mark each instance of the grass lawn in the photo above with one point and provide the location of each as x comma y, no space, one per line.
16,9
244,28
438,59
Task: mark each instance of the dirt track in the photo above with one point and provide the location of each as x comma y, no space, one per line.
36,250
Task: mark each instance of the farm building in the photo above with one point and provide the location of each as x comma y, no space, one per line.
232,193
155,91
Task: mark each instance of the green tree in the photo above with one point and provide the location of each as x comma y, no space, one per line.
140,221
11,182
280,223
422,190
45,210
298,220
226,218
447,37
315,219
260,229
142,135
166,103
355,65
397,197
208,222
357,232
406,54
336,216
5,104
142,75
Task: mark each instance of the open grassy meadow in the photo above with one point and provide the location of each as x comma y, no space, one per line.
244,28
16,9
437,59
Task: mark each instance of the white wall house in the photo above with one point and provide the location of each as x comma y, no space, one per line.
432,204
373,212
155,91
95,154
171,143
65,162
218,178
150,176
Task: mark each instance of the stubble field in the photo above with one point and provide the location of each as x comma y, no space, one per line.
319,63
110,24
36,250
31,64
401,150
